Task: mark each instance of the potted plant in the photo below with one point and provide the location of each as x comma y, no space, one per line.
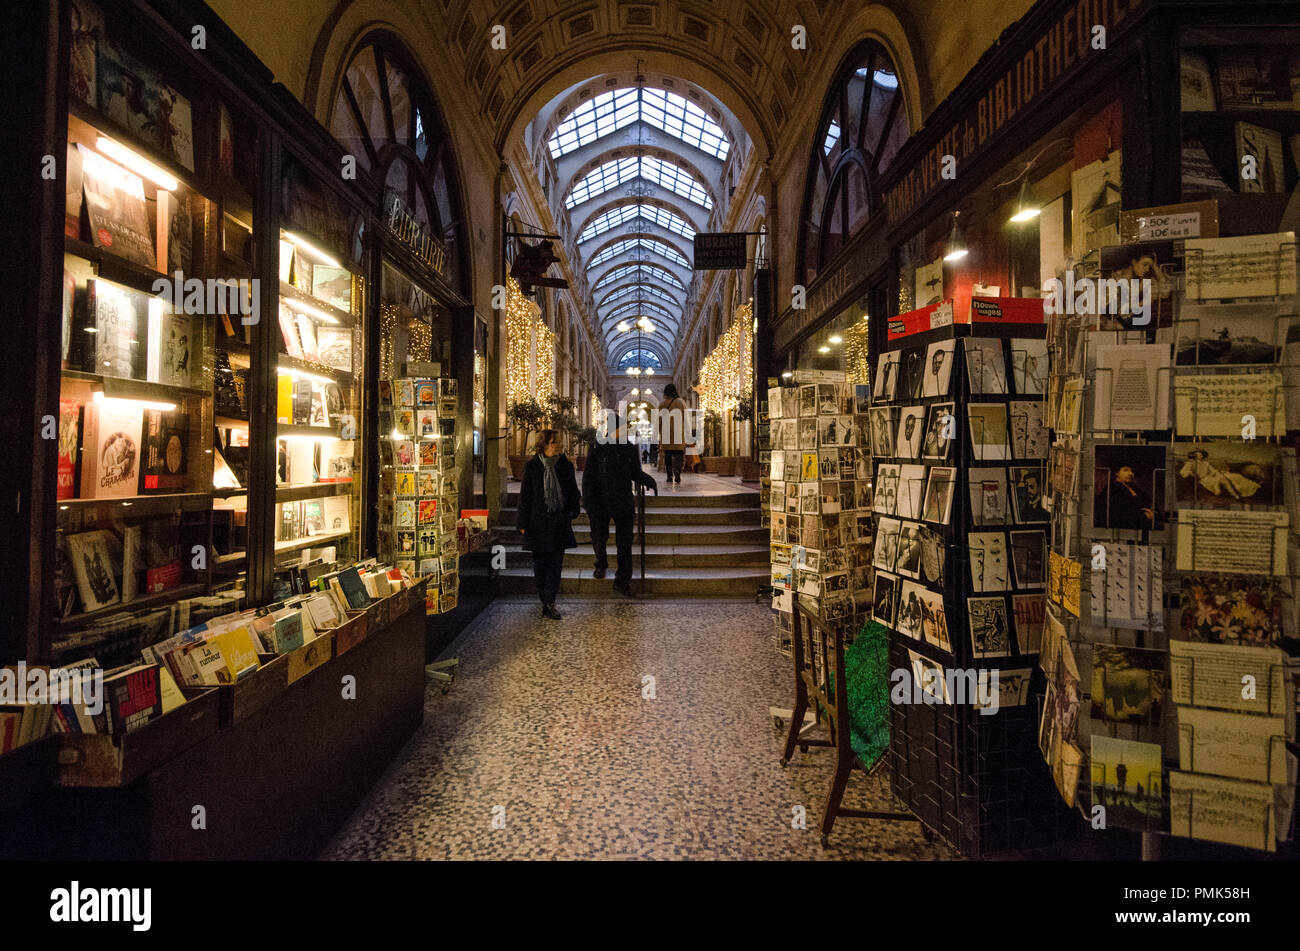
526,416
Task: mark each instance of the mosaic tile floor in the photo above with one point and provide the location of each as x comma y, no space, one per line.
547,720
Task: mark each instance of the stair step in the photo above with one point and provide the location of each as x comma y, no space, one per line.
657,556
671,498
676,582
671,516
756,535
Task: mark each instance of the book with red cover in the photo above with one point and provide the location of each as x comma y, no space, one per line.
69,475
164,449
134,698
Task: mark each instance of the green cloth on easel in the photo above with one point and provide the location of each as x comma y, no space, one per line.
866,668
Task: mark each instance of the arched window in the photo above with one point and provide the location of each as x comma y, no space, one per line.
639,358
385,115
862,127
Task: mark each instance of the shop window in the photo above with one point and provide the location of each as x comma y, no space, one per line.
862,127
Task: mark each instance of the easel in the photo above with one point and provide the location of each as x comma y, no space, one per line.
812,682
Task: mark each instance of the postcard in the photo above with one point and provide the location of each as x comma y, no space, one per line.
1225,473
990,629
1210,675
885,501
938,368
887,376
908,561
984,366
808,399
886,547
828,464
1226,609
938,495
990,568
1029,366
1257,265
1240,405
1026,493
934,555
1236,745
988,430
911,429
809,498
1231,334
1239,542
1129,487
1010,689
940,432
1069,411
1128,782
1028,436
1126,585
912,376
809,469
1028,552
882,432
1063,581
911,490
1028,611
1231,811
1132,385
1137,290
988,496
1128,684
934,622
807,434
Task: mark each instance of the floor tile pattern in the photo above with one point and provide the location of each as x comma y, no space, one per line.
547,720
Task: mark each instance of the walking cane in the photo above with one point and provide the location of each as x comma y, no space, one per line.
640,528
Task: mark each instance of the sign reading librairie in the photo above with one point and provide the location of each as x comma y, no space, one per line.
719,251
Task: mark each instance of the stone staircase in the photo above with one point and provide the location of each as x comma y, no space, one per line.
703,540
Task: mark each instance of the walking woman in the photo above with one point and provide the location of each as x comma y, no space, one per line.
548,504
672,435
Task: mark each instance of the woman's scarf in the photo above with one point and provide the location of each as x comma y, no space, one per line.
551,483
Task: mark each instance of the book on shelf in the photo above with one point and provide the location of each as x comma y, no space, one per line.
173,340
335,348
115,209
112,450
333,285
164,467
289,331
94,557
313,517
134,697
336,513
71,414
175,233
354,590
114,318
302,390
284,398
74,204
307,337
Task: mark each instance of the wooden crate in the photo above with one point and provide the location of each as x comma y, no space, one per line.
351,633
316,652
98,759
253,691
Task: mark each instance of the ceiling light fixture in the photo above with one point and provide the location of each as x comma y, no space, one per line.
956,243
116,150
836,339
1026,207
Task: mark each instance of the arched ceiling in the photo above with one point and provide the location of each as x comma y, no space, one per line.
638,167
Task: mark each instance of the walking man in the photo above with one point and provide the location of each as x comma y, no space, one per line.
612,467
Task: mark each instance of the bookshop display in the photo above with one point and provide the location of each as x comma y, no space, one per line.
820,501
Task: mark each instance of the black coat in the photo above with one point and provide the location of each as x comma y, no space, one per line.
612,468
544,531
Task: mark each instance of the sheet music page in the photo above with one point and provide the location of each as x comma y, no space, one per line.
1236,745
1230,677
1222,810
1247,543
1217,405
1132,387
1253,265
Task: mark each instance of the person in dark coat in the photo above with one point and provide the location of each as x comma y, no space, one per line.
613,465
548,504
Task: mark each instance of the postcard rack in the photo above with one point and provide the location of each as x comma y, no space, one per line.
820,683
971,774
1134,701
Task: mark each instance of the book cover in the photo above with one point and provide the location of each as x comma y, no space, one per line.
336,513
111,466
73,194
287,631
116,319
1264,148
115,207
133,561
284,398
93,568
335,348
134,698
353,589
239,648
290,520
87,29
333,285
307,336
336,460
166,440
171,353
70,425
302,402
313,517
289,331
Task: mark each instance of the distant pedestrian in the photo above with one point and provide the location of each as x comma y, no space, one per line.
672,432
548,504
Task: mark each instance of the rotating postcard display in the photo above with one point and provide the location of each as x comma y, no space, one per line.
820,495
419,484
959,445
1183,537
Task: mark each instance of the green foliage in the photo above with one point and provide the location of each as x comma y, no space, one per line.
528,415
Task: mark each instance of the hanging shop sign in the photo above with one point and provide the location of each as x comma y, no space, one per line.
410,232
719,251
1084,29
